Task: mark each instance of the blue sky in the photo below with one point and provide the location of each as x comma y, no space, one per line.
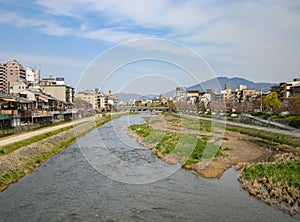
257,40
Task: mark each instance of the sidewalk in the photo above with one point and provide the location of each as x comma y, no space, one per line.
18,137
293,133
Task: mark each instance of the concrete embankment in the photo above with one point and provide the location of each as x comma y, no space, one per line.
22,161
249,119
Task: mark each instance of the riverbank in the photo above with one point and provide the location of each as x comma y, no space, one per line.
69,188
248,151
276,182
21,161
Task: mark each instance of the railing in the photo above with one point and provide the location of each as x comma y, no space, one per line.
41,113
8,112
36,113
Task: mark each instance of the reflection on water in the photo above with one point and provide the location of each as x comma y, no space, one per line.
68,188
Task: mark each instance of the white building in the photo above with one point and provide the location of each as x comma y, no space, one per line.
180,94
33,76
60,81
286,88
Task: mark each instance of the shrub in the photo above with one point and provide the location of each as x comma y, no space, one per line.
284,114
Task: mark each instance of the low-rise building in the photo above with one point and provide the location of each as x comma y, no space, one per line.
58,89
180,94
286,87
43,107
97,99
295,90
16,87
159,101
9,115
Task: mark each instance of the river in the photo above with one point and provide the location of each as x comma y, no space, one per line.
115,179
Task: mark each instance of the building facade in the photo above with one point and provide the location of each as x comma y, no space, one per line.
58,89
97,100
33,76
285,88
17,87
10,71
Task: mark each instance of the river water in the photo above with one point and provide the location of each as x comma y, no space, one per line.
115,179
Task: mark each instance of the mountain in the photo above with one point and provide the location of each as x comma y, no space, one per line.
150,96
219,83
170,93
215,83
127,96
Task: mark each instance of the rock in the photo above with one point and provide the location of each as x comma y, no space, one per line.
259,196
293,210
268,201
252,191
241,165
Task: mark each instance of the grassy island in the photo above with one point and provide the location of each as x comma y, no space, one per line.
269,163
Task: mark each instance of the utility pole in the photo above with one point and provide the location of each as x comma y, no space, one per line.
261,101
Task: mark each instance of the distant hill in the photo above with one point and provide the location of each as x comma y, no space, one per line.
216,83
127,96
150,96
219,83
169,94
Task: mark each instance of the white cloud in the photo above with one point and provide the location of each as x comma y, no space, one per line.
15,19
243,36
47,27
109,35
53,28
179,15
260,39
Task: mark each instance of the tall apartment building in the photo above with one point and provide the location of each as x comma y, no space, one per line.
3,79
10,71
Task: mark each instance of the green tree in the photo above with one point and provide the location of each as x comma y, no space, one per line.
271,101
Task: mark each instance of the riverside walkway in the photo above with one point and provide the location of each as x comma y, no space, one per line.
294,133
26,135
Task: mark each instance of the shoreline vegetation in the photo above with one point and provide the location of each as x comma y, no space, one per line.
21,158
276,182
269,164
